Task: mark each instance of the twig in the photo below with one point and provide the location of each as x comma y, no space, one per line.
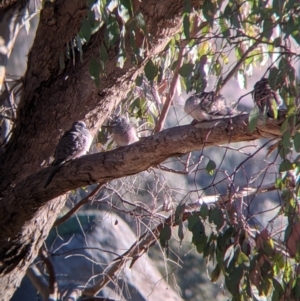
53,287
170,95
84,201
7,117
10,99
98,299
38,281
221,83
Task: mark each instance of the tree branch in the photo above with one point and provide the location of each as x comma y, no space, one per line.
100,168
38,281
53,287
84,201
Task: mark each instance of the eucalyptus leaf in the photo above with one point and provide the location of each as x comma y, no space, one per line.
186,69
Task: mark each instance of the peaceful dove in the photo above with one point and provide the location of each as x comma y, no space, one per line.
265,98
206,106
124,133
73,144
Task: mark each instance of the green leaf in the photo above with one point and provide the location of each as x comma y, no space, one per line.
228,10
139,80
112,33
198,233
186,26
140,21
103,53
94,69
121,60
180,231
243,259
297,142
238,52
225,29
204,211
266,287
285,125
229,255
253,118
268,28
165,235
208,10
186,69
268,247
201,245
277,41
91,17
241,79
216,216
192,221
210,167
86,30
178,212
235,20
286,165
286,139
296,289
217,68
124,10
232,281
215,274
151,70
278,6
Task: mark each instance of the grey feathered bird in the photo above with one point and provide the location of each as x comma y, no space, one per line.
265,98
73,144
206,106
124,133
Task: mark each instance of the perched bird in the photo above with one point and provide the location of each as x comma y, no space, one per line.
265,98
206,106
124,133
74,143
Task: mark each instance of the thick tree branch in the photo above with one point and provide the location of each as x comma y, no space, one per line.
100,168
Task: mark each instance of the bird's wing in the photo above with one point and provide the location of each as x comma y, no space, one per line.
68,147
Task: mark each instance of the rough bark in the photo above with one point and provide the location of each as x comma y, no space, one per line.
51,100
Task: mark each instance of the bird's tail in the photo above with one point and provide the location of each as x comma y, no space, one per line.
54,170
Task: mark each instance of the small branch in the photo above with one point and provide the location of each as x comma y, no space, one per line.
170,95
97,299
7,117
38,281
221,83
53,287
84,201
180,172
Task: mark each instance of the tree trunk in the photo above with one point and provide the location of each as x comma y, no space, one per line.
51,100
